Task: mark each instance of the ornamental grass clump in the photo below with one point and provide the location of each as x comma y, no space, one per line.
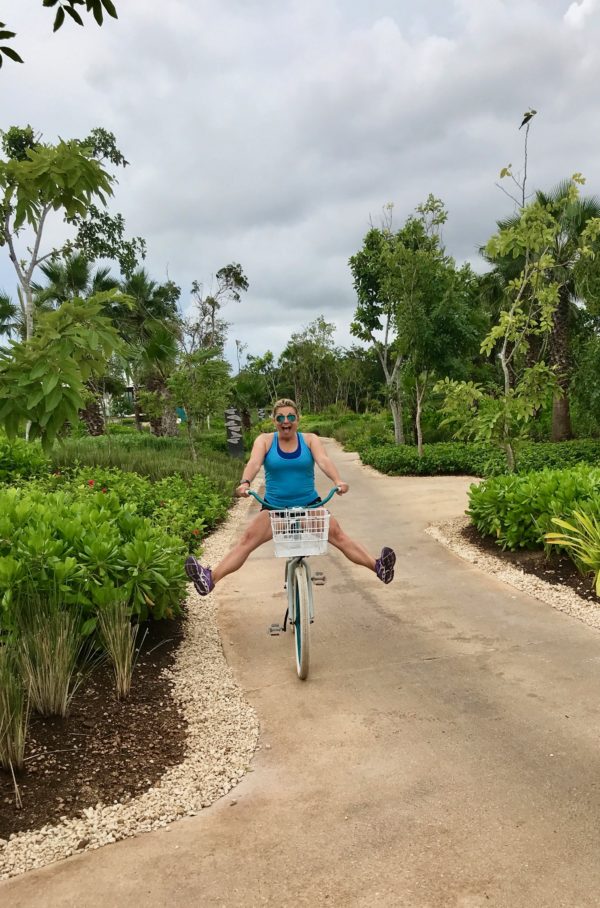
14,711
581,537
52,654
118,638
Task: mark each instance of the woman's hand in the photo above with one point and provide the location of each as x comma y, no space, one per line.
242,490
342,488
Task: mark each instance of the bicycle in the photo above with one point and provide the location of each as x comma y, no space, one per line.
297,533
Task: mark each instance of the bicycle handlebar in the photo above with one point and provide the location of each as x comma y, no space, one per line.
308,507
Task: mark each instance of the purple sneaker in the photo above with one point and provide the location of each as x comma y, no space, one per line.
200,576
384,565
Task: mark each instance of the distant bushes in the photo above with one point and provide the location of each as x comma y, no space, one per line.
473,459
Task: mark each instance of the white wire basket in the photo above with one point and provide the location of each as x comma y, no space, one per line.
300,532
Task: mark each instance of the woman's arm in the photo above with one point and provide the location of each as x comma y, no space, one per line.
324,462
255,462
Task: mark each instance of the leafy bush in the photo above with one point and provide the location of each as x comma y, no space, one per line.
476,459
91,548
186,509
20,460
446,458
518,510
581,538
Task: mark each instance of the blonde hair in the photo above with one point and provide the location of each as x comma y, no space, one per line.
284,402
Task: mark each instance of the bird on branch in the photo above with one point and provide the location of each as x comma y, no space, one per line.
529,115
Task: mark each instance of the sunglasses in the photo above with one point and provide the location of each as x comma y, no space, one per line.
281,418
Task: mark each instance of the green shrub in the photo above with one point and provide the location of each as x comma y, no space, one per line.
445,458
474,459
90,547
21,460
183,508
518,510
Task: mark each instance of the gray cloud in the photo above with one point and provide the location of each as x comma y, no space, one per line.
271,133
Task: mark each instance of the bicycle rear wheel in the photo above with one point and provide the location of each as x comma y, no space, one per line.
301,623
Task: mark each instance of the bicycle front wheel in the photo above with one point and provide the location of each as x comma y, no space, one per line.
301,622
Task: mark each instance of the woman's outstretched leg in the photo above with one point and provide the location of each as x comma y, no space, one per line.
204,579
357,553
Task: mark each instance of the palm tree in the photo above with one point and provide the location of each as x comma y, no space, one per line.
9,315
151,326
572,219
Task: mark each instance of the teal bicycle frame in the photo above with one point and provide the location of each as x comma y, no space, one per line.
298,583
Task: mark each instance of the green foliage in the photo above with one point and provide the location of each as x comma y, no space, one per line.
14,711
445,458
21,460
152,457
50,650
72,8
485,415
90,547
518,511
477,459
581,538
43,380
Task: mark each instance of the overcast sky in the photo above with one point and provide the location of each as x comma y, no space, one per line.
270,132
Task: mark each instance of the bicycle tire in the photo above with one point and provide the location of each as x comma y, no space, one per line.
302,621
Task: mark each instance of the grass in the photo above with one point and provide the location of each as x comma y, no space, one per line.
49,648
149,456
118,636
14,712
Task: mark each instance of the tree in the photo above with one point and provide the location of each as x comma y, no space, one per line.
37,179
72,9
393,274
200,385
570,272
43,379
206,329
71,278
531,301
151,326
307,365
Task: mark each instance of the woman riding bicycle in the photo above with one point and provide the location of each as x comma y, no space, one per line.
289,458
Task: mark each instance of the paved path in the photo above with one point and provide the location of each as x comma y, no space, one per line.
444,752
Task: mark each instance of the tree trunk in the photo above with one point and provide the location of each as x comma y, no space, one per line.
396,408
137,410
169,422
420,394
93,418
560,358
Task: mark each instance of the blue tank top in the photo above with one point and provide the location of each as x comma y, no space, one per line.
290,476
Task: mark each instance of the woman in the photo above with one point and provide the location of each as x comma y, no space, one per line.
289,459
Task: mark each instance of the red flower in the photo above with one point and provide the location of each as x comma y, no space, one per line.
196,532
104,491
91,482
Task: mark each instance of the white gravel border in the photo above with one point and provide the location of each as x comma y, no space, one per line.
222,737
561,598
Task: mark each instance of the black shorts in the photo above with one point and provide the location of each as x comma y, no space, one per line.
267,506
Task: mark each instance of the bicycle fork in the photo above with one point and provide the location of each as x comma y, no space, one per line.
318,578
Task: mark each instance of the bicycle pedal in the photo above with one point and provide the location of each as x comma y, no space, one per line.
274,630
319,578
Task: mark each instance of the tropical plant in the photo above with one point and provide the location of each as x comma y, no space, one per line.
43,380
581,538
566,266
